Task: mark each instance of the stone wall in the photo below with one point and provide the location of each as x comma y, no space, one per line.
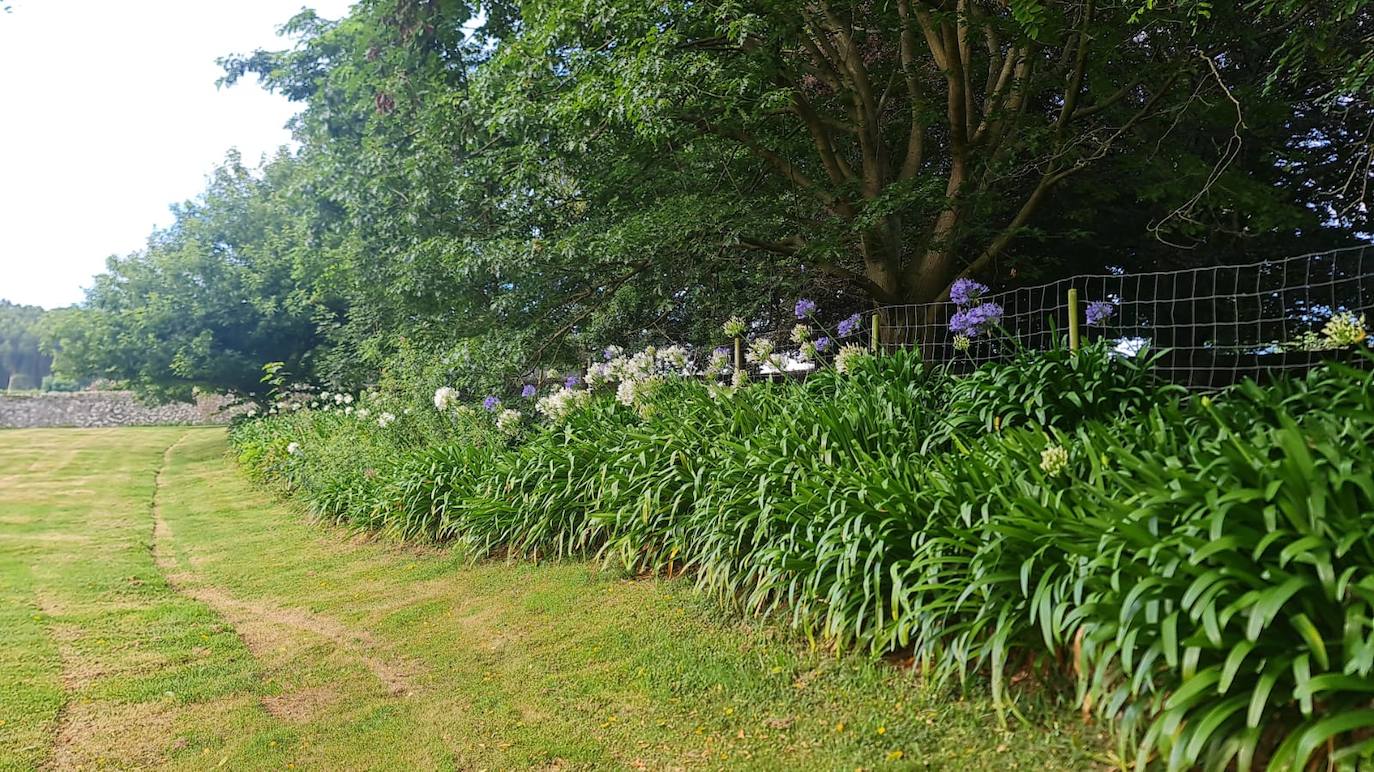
103,408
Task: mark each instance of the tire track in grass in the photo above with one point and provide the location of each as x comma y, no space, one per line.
259,624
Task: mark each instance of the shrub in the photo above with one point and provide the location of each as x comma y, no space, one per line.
1057,388
1202,567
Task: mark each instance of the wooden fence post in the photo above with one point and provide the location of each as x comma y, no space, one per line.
873,339
739,355
1073,319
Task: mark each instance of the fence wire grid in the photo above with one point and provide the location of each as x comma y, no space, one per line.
1213,326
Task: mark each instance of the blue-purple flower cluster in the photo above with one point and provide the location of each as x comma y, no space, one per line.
971,320
965,291
1100,311
805,308
848,326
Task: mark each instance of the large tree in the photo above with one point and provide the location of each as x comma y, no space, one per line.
913,141
240,279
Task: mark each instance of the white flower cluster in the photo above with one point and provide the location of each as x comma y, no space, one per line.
508,420
763,353
719,364
1345,329
1341,330
847,356
558,405
293,448
445,398
1054,460
384,419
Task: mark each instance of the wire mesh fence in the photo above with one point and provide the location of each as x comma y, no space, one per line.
1214,325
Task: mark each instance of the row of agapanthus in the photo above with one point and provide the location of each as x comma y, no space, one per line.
302,398
636,376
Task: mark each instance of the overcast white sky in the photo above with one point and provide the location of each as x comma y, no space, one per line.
108,114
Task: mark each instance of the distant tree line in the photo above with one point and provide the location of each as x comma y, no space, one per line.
490,188
23,363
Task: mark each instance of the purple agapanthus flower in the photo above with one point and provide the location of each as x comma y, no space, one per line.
529,391
965,291
572,381
1100,311
492,402
805,308
972,321
848,326
822,343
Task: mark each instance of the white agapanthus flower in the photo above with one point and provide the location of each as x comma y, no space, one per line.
801,333
348,410
445,397
625,392
1054,460
760,351
508,421
362,413
599,374
1345,329
384,419
674,358
739,378
294,448
763,353
636,393
847,356
719,363
560,404
733,327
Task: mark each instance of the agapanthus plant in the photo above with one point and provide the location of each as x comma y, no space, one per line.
1099,311
849,325
508,421
970,322
445,397
560,404
966,291
805,308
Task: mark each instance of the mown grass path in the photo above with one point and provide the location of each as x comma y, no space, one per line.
157,611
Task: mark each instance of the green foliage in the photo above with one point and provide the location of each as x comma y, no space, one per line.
21,353
1203,568
231,285
1058,388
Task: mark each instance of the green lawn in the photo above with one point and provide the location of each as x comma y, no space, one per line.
156,610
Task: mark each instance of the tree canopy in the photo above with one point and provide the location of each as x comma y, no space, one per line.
23,363
510,185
